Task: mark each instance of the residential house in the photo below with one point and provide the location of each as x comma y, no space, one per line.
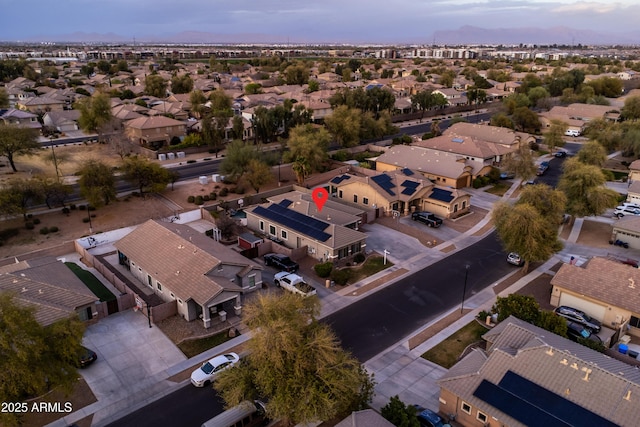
155,132
603,288
50,287
528,376
297,225
41,104
505,137
62,121
337,213
20,118
364,418
446,169
399,191
576,116
627,229
453,96
204,278
633,192
634,172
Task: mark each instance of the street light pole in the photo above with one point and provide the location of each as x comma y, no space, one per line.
149,314
464,289
89,216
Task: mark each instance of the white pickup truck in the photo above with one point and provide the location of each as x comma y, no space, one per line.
293,283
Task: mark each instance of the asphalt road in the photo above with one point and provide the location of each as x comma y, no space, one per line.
373,324
188,406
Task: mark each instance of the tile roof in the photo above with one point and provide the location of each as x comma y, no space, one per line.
425,160
493,134
573,373
364,418
611,282
465,146
145,122
332,212
179,257
50,287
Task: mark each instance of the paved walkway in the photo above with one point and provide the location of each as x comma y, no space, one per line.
398,370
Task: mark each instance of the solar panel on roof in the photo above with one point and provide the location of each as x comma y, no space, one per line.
385,182
296,221
407,172
442,195
336,180
534,405
410,184
408,191
285,202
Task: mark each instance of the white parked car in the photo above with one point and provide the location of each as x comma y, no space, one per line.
631,205
622,211
209,370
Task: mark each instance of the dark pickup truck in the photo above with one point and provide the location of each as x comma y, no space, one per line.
283,262
428,218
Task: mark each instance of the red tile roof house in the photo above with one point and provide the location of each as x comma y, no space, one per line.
528,376
203,278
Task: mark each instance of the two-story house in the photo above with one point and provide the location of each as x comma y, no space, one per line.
155,131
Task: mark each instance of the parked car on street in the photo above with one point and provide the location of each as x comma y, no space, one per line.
560,153
515,259
293,283
542,168
209,370
572,132
427,218
507,175
578,316
282,262
576,331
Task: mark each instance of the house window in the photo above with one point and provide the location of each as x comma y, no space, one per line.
455,207
464,204
340,194
481,417
252,281
149,280
180,301
634,321
365,201
172,295
466,408
355,198
272,230
159,286
261,225
283,233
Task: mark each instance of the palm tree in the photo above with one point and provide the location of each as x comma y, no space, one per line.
301,168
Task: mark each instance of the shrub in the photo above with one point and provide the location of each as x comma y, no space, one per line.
82,207
323,269
85,220
65,210
44,230
477,183
73,206
7,233
36,221
206,197
91,208
341,156
227,181
341,277
29,225
191,161
93,215
213,195
191,199
240,190
199,201
224,192
359,257
53,229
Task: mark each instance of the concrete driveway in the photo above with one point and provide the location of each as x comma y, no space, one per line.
129,355
400,246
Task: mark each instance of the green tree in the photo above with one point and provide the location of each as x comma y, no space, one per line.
4,98
155,85
297,74
550,203
514,101
236,162
54,192
344,125
27,350
295,363
301,168
145,175
524,307
314,86
592,153
584,187
550,321
181,84
197,100
538,95
310,143
258,174
17,141
237,127
399,414
19,195
95,112
253,88
501,120
554,136
525,119
521,163
426,100
630,111
97,183
523,229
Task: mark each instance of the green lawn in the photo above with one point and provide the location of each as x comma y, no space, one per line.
192,348
446,353
498,188
371,266
91,282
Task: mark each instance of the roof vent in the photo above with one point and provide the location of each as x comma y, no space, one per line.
458,140
628,395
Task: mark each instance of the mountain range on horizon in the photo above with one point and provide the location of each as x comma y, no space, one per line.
461,36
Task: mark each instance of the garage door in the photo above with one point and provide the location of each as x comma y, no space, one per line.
594,310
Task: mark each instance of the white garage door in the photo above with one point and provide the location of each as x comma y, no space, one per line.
594,310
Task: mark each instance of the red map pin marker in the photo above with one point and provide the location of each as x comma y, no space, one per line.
320,196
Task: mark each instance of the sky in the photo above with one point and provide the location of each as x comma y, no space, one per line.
305,21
